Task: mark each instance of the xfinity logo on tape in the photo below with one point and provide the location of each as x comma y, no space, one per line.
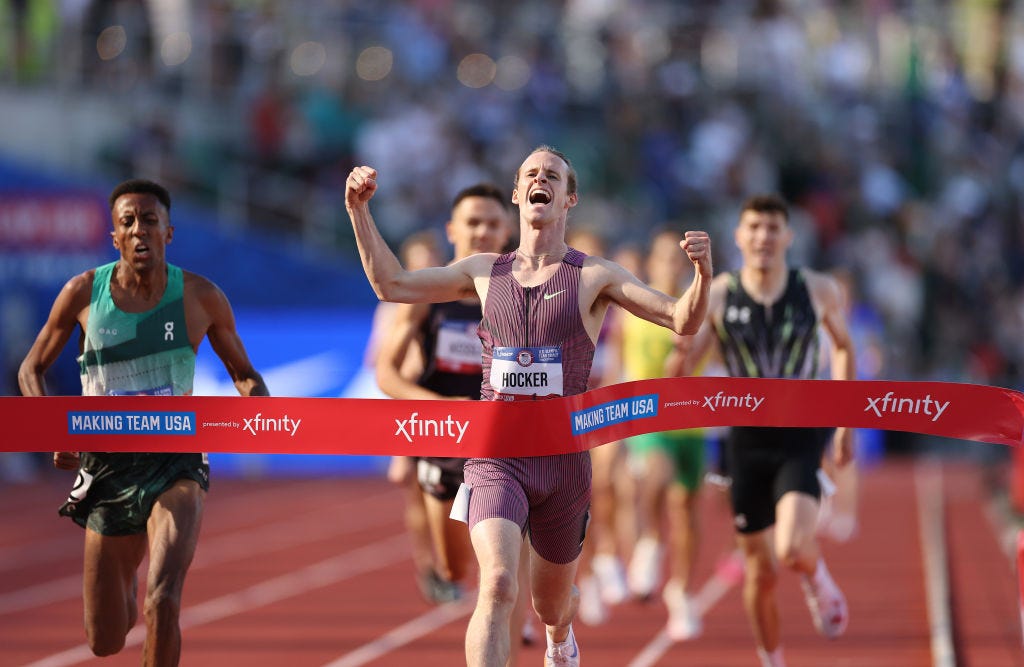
721,400
912,406
615,412
438,428
261,424
131,423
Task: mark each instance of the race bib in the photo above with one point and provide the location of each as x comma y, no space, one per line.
526,371
166,390
458,347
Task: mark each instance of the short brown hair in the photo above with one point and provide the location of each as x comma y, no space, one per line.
766,203
486,190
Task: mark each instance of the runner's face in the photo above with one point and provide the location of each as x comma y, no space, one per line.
478,224
763,238
542,187
142,230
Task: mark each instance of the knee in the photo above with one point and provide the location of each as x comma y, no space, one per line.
499,588
761,577
792,555
161,602
554,610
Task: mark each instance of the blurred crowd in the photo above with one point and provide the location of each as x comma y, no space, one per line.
892,127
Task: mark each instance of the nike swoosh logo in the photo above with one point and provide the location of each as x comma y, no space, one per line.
552,296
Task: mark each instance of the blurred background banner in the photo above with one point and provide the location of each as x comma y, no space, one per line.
893,128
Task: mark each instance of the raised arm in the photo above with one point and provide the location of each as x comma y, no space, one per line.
683,315
690,351
390,281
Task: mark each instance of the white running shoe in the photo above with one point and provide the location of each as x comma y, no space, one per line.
591,610
827,605
684,621
645,568
611,578
563,654
773,659
529,632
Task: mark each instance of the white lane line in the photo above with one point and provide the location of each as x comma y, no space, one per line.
653,651
727,574
351,564
223,548
406,633
69,544
931,518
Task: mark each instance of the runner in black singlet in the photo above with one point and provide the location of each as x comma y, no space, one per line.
765,318
445,336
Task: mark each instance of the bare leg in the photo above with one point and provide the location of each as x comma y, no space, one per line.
683,533
173,534
555,598
497,543
759,589
402,471
795,543
523,607
451,540
109,588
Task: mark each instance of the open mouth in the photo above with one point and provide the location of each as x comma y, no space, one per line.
540,197
142,249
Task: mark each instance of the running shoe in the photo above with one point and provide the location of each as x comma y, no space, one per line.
437,590
591,610
684,621
563,654
529,632
645,568
773,659
611,579
827,605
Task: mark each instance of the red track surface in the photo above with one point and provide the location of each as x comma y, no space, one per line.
316,572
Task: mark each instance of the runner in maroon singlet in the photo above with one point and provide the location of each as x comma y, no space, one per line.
543,306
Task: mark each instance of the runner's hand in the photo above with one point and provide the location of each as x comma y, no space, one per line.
697,246
66,460
360,186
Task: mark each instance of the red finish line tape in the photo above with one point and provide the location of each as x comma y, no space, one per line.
498,429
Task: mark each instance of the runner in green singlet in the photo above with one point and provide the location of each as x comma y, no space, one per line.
669,465
141,321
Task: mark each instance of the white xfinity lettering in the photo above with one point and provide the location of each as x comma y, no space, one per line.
440,428
259,423
912,406
721,400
